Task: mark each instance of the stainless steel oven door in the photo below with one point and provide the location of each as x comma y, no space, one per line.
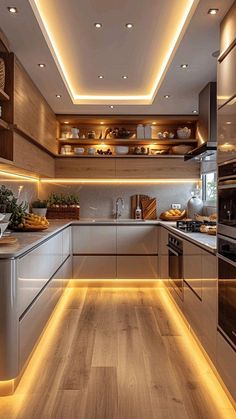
175,261
227,288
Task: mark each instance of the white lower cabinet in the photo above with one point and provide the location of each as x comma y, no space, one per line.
94,239
94,267
141,239
34,269
193,266
136,267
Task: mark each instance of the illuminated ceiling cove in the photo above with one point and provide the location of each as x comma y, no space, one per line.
143,53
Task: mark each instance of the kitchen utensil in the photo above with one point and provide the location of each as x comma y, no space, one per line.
134,201
121,149
92,135
181,149
183,133
140,132
67,149
149,208
75,132
160,136
171,135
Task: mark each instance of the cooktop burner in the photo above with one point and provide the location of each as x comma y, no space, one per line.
192,226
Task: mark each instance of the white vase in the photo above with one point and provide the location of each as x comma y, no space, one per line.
40,211
194,206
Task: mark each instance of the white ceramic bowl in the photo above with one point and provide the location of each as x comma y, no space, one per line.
120,149
91,151
79,150
181,149
3,227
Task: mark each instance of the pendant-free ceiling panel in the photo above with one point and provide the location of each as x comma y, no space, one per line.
143,53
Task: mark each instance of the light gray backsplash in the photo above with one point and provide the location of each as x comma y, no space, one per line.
98,201
27,191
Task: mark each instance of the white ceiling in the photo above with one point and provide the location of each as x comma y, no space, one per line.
114,51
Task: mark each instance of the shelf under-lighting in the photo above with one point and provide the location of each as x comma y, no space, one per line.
115,181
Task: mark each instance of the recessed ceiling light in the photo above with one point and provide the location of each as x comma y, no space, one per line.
228,122
12,9
154,123
111,106
124,77
129,25
98,25
212,11
194,111
66,122
101,77
184,66
58,96
41,65
167,96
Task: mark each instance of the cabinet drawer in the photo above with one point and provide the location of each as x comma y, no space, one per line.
226,86
94,267
137,240
94,239
36,268
136,267
32,324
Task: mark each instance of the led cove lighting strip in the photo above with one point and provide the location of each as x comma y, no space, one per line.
112,99
17,176
123,181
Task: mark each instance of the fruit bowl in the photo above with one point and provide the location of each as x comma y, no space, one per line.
166,216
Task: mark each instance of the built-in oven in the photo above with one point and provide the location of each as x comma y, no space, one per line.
227,288
175,264
227,199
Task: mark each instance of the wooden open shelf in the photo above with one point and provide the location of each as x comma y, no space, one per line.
3,96
121,156
108,141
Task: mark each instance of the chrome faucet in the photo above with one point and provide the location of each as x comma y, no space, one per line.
118,208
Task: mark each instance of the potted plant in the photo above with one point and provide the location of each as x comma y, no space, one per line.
39,207
63,206
8,202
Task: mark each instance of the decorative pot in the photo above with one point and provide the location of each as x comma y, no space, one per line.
40,211
194,206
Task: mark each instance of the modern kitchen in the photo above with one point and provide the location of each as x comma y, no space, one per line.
118,209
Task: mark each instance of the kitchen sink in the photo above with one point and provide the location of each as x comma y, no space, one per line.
112,220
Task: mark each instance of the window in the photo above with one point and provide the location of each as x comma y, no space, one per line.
209,188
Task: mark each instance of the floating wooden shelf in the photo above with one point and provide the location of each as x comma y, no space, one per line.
108,141
3,125
3,96
119,156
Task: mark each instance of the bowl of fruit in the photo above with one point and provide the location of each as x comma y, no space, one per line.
173,215
21,220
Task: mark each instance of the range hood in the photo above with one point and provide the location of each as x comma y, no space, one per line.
206,125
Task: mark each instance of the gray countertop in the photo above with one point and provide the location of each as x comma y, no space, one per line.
26,240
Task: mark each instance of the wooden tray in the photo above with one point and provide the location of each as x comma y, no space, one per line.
8,240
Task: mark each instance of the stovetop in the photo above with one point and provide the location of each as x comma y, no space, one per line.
192,226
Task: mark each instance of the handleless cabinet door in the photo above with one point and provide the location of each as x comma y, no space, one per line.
163,254
193,267
226,87
136,267
36,268
94,239
66,242
141,239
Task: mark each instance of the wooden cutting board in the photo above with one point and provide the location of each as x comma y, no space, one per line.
134,200
149,208
8,240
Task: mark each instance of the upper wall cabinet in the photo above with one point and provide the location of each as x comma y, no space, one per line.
32,114
228,29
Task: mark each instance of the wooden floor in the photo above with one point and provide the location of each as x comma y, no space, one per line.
117,354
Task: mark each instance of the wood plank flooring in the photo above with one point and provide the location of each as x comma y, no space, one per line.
117,353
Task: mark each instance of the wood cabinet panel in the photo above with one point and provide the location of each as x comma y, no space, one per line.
32,114
226,85
156,168
94,267
228,28
136,267
29,157
137,240
193,266
88,168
